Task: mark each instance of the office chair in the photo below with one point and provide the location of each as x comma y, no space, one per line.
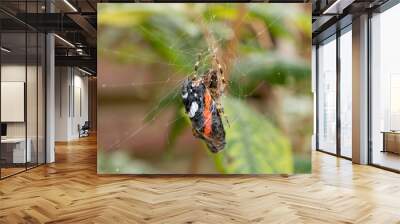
84,130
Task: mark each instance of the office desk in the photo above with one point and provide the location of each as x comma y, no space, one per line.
391,141
15,148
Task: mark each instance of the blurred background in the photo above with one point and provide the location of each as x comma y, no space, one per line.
145,51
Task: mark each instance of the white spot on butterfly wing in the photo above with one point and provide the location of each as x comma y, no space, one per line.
213,107
193,109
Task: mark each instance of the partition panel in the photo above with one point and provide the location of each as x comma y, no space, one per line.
22,76
15,149
32,102
327,95
346,93
41,107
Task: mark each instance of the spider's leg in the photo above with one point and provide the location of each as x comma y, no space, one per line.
195,133
225,117
221,112
221,73
227,120
218,64
196,65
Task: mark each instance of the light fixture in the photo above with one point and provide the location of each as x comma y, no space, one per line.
70,5
84,71
337,7
80,51
65,41
5,50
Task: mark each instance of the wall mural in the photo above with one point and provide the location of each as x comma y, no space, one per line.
204,88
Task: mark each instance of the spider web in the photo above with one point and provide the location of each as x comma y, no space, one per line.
204,64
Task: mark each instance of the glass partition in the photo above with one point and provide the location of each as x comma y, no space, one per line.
13,105
32,87
41,109
32,95
327,95
22,78
346,93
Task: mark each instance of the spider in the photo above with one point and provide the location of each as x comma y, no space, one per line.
201,97
214,80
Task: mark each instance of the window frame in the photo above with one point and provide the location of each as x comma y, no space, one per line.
381,9
347,27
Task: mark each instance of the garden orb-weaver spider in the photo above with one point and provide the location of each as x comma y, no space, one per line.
201,95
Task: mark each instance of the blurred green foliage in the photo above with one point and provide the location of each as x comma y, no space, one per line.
273,69
120,162
254,145
272,47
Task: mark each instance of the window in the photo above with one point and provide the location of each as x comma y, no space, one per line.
327,96
346,92
385,89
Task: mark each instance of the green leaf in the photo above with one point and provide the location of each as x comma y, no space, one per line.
271,68
273,15
254,145
165,44
128,15
167,30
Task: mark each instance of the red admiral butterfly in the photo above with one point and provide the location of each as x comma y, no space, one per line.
201,98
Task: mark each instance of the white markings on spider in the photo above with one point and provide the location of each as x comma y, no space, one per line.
184,96
193,109
195,95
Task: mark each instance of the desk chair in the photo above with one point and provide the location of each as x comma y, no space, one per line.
84,130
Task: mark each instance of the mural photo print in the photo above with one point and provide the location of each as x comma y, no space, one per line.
206,88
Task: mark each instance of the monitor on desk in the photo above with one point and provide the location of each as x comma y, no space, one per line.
3,130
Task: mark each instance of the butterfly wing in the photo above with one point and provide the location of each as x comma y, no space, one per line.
206,121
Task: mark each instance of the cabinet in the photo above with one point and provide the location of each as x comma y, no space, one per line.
391,142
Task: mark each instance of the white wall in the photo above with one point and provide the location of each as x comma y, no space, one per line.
71,94
33,126
80,109
12,73
62,81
